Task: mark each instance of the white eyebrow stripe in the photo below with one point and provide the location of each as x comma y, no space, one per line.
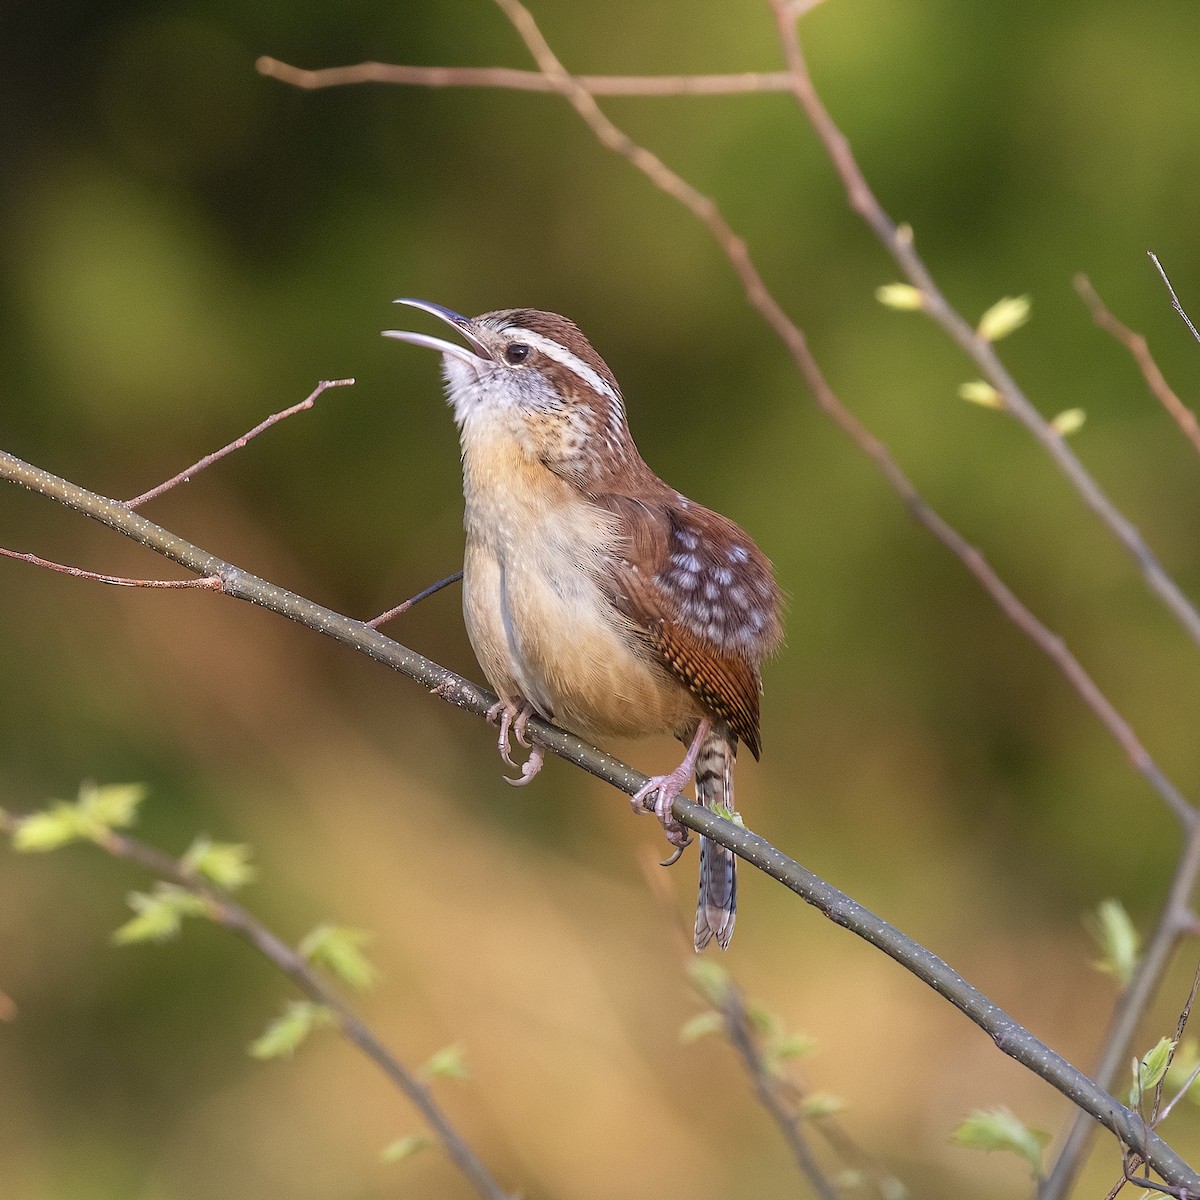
557,351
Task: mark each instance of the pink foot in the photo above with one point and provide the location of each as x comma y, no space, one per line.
514,718
664,789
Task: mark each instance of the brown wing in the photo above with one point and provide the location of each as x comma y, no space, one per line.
704,598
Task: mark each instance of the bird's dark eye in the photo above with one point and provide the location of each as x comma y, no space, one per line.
518,352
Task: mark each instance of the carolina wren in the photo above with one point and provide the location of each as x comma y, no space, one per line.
595,595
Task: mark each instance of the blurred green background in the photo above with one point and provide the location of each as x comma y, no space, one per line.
187,247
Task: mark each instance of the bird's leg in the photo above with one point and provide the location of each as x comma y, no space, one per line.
664,789
513,717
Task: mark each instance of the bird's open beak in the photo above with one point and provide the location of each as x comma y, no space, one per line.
477,351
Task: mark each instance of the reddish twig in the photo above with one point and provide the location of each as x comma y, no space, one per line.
1137,346
522,81
207,461
401,609
736,251
899,243
209,583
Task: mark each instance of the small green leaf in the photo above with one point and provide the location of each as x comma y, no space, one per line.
764,1023
97,811
711,980
448,1063
286,1032
1069,421
975,391
1148,1072
226,864
159,914
999,1129
821,1104
793,1045
901,296
113,806
1004,317
49,829
406,1147
702,1025
1117,938
338,949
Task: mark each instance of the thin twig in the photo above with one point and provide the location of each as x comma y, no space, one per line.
1174,298
1179,1095
1131,1004
741,1036
780,1108
226,912
1184,1013
401,609
736,251
899,244
1138,347
1009,1036
523,81
209,583
186,476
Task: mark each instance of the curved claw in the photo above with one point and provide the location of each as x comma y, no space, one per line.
679,849
531,766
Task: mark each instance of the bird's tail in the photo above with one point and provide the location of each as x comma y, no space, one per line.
716,907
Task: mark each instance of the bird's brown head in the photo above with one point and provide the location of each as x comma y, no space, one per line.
535,374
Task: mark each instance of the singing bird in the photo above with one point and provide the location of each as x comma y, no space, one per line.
594,594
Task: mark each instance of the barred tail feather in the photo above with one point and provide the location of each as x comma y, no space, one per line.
716,908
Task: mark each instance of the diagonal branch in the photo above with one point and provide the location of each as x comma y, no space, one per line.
224,911
740,1034
899,244
577,90
185,476
1173,923
1011,1037
735,250
1139,350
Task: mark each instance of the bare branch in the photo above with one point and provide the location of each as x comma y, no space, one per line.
185,476
401,609
1137,346
735,250
1173,923
741,1036
898,242
1009,1036
523,81
1174,298
224,911
1180,1026
209,583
